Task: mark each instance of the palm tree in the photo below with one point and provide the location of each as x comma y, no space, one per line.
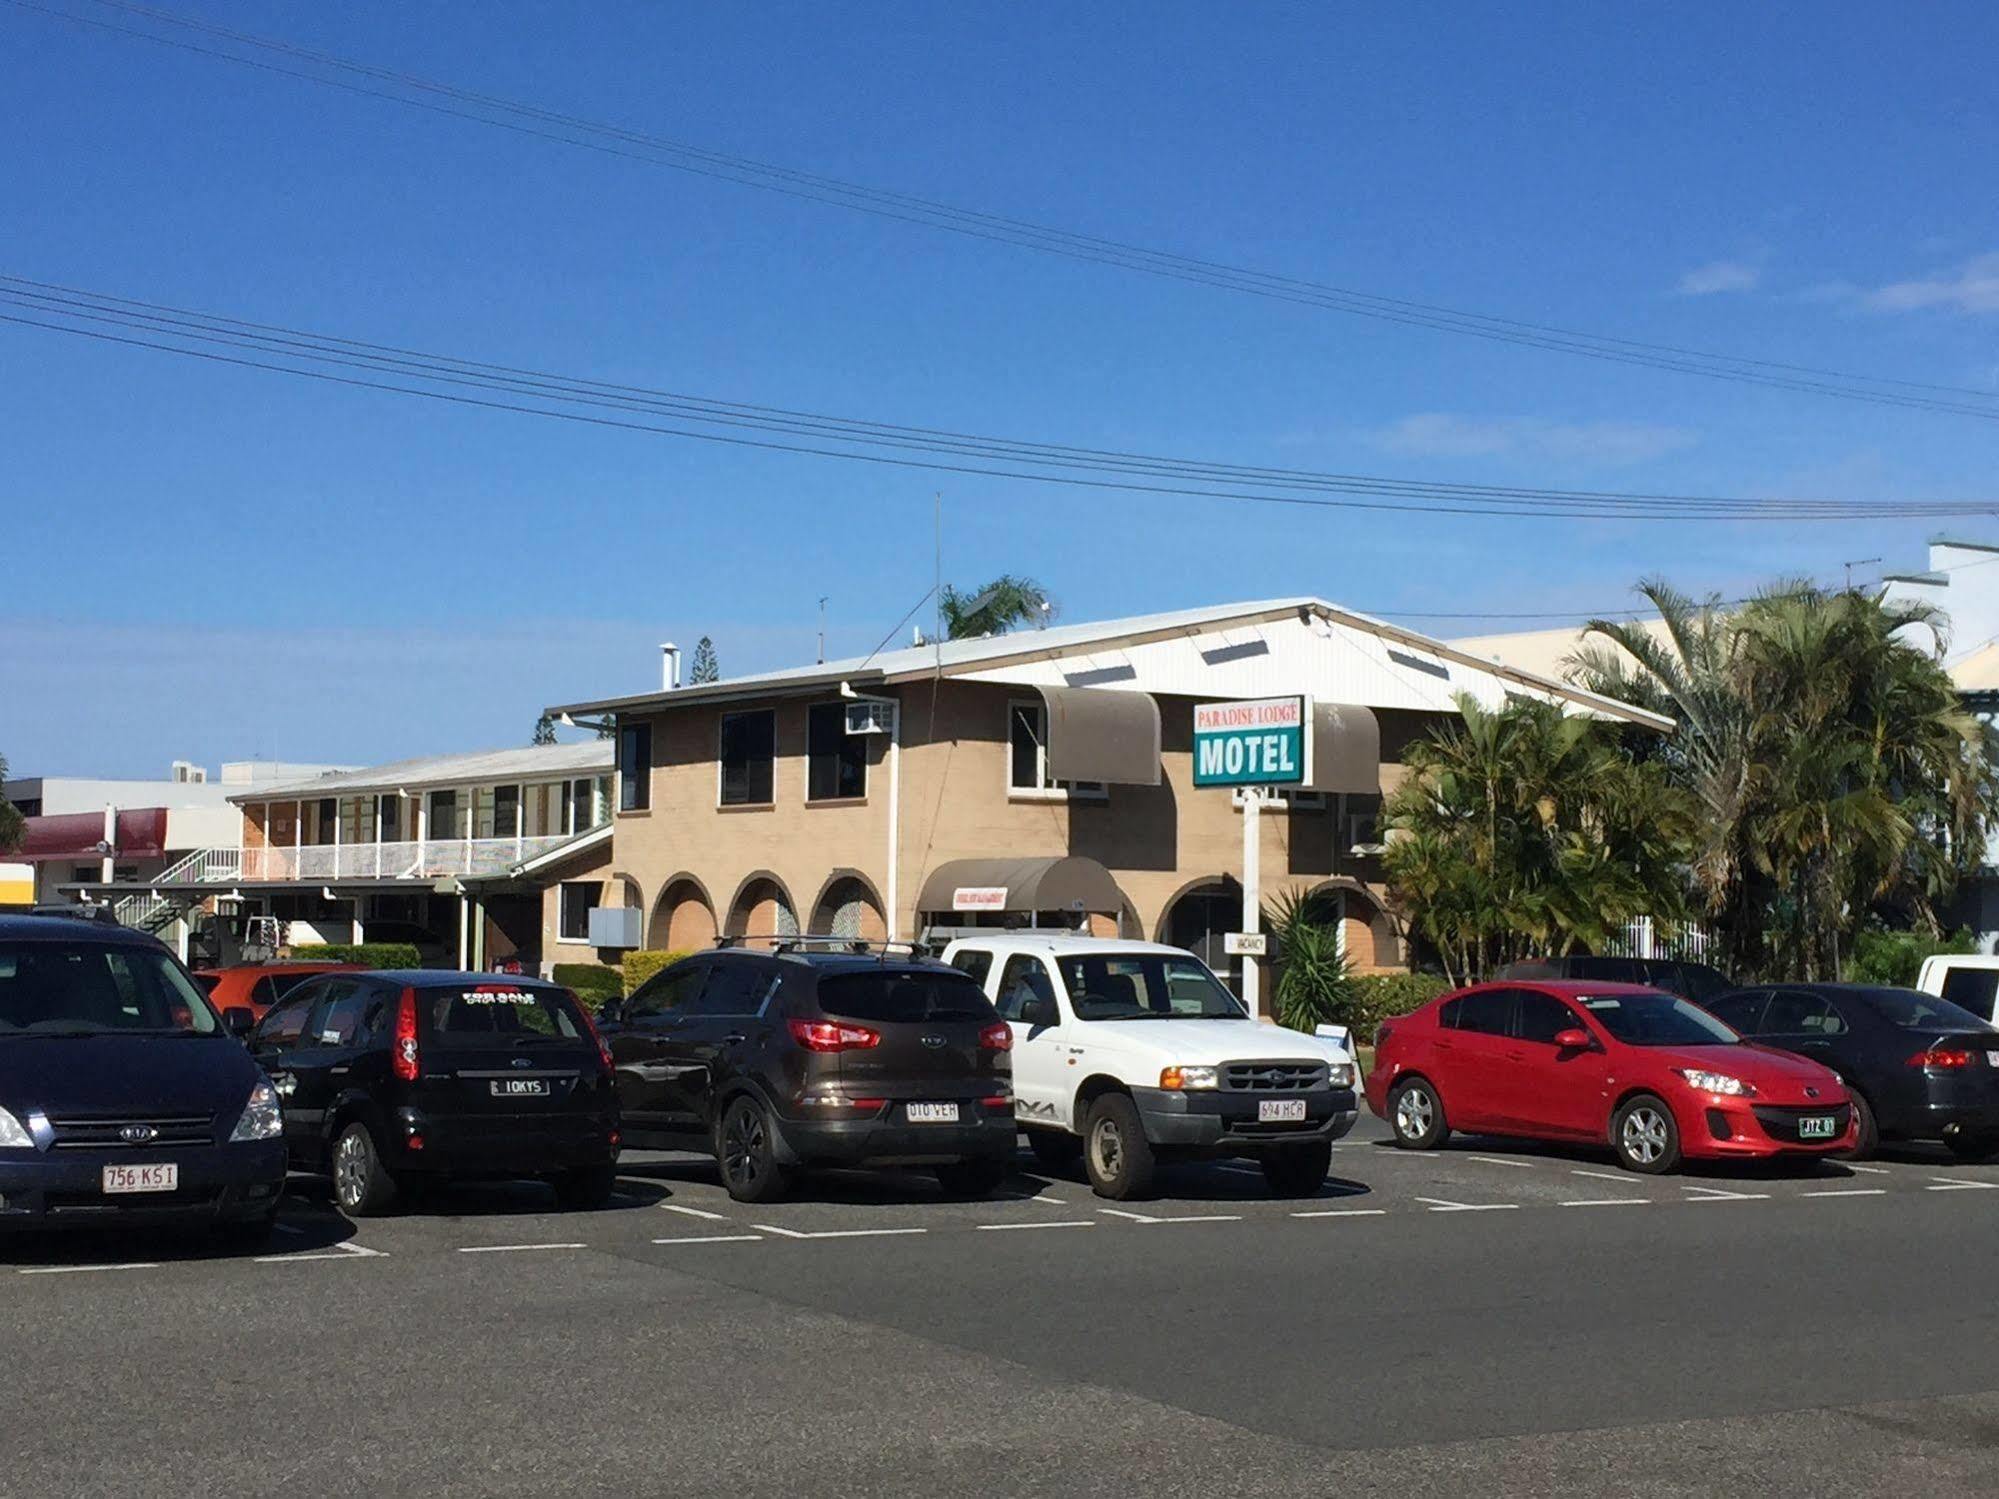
13,826
1007,601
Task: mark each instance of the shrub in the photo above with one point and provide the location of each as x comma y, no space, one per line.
592,983
642,965
1383,996
369,954
1895,958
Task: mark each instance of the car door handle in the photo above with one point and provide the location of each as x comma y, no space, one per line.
734,1038
340,1071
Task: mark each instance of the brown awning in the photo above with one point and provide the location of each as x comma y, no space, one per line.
1346,750
1100,735
1050,884
141,834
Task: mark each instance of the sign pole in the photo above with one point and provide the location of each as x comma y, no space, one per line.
1252,891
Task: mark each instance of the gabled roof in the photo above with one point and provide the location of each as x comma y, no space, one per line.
533,762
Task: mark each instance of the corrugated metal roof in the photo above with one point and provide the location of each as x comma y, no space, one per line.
536,762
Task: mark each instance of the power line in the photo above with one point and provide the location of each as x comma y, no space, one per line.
533,120
352,362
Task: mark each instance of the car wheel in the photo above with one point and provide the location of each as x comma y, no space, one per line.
1416,1114
746,1149
1054,1149
586,1191
1298,1170
1645,1136
1866,1133
971,1178
1115,1151
362,1185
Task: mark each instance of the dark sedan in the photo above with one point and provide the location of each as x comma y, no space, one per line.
1918,1067
123,1100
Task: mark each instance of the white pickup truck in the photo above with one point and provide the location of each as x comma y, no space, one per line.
1130,1052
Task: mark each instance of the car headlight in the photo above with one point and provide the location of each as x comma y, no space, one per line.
12,1135
1340,1074
262,1118
1189,1077
1716,1082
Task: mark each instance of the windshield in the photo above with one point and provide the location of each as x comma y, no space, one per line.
1657,1020
1145,986
1913,1011
895,996
502,1012
84,988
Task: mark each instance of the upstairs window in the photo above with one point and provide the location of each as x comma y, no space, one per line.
506,811
836,761
1027,757
748,751
634,767
579,899
444,816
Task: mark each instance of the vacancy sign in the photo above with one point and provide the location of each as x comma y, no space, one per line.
1260,742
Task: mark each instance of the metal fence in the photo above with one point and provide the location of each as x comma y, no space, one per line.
1643,939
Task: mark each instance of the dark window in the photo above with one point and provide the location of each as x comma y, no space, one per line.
1022,979
736,987
836,761
1027,729
749,742
501,1009
264,993
1743,1010
668,992
389,818
506,811
634,767
283,1023
579,898
1972,989
340,1017
579,812
891,997
1799,1012
973,961
1913,1011
328,821
1542,1017
1654,1019
59,985
1123,986
1489,1012
443,814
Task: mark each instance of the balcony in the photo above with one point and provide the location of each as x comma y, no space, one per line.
433,858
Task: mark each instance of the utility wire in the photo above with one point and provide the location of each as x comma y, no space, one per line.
296,352
533,120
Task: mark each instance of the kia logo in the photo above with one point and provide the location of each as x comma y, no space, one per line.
933,1042
137,1134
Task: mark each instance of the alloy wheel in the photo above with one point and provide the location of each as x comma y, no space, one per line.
742,1146
1644,1135
350,1170
1414,1113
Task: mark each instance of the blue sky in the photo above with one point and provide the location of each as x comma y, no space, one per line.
216,564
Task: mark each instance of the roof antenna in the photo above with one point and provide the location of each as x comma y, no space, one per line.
822,629
937,583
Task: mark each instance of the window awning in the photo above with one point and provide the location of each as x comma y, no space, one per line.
1051,884
1346,750
1096,734
141,834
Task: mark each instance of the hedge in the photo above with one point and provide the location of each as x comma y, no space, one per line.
1383,996
593,983
642,965
368,954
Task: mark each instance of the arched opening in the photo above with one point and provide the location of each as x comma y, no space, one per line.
762,908
684,918
848,907
1366,934
1199,918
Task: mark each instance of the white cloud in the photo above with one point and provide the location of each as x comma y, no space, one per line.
1970,287
1437,434
1719,276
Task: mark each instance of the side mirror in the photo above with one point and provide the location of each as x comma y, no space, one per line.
1040,1011
611,1012
1573,1039
238,1021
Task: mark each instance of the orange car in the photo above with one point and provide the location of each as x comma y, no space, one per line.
257,986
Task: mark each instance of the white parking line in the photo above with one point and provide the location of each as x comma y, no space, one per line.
1847,1192
1200,1218
1606,1202
1344,1213
674,1207
1868,1170
80,1269
1961,1186
1443,1205
715,1239
837,1233
1716,1194
1605,1176
1493,1160
1003,1227
1121,1213
337,1252
514,1248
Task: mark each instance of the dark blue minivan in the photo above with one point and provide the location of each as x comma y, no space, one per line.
123,1098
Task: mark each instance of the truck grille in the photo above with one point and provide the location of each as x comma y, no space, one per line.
1274,1077
107,1133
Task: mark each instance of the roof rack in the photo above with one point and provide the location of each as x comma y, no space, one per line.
784,942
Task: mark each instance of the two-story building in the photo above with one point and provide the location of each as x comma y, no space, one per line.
1042,777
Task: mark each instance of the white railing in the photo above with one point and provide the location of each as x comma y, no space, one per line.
433,858
1641,939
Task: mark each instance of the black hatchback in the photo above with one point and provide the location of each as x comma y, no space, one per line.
816,1055
396,1081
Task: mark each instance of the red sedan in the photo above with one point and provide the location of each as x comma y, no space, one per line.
1654,1076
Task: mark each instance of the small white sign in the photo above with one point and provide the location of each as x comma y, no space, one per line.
979,898
1246,944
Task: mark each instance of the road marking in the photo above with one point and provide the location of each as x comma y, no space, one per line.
514,1248
1121,1213
1493,1160
1001,1227
1868,1170
337,1252
836,1233
1716,1194
674,1207
1847,1192
1200,1218
1606,1176
1442,1205
1344,1213
80,1269
1606,1202
715,1239
1961,1186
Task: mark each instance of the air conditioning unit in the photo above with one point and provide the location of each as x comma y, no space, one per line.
186,771
869,717
1364,836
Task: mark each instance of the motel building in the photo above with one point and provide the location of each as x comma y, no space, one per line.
1042,778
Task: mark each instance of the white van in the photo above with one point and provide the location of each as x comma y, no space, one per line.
1968,980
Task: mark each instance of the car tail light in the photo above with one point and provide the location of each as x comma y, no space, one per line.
996,1037
997,1101
406,1059
871,1105
1941,1056
831,1035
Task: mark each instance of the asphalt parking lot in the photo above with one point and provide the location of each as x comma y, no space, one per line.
1519,1318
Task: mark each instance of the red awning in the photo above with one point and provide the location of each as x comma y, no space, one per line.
142,834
